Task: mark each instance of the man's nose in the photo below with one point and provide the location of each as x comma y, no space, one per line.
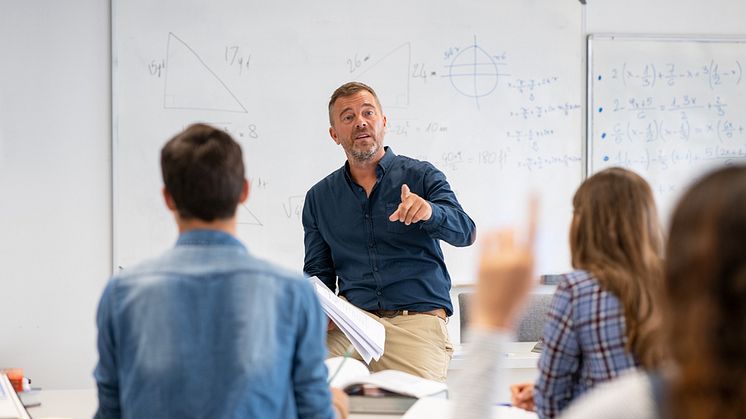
360,122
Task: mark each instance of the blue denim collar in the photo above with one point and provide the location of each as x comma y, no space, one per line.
200,237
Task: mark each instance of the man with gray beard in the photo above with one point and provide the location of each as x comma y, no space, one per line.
372,231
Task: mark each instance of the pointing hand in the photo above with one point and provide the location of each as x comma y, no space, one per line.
412,209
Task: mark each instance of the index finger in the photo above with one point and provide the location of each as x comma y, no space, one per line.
404,191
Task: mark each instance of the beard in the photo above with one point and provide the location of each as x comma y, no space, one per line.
365,155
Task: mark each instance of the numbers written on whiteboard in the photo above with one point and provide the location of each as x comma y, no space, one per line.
356,61
157,67
239,131
455,160
236,57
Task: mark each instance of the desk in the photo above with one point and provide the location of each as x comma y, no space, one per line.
73,404
81,404
520,365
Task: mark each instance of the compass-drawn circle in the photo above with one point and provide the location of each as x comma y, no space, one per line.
473,72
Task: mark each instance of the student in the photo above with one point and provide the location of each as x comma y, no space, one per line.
206,330
603,316
503,282
373,227
704,316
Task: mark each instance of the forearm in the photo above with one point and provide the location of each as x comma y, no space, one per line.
475,386
451,224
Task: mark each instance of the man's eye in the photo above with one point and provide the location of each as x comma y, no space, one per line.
347,118
369,113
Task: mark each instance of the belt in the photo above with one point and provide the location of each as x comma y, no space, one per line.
438,312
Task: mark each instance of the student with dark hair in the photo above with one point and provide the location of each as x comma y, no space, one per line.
207,330
604,316
704,316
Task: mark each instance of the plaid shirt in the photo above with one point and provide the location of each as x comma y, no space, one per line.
584,343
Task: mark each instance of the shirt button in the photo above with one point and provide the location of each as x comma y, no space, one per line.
378,293
367,216
375,269
371,244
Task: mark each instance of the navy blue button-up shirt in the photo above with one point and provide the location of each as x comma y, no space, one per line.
382,264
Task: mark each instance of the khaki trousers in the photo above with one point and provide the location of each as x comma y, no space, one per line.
415,343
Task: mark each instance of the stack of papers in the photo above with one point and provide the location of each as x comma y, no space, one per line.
10,404
365,334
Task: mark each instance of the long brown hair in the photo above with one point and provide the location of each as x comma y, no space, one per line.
705,310
615,235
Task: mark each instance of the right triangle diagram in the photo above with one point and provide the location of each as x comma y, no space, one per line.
191,84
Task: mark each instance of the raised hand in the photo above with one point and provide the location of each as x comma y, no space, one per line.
505,276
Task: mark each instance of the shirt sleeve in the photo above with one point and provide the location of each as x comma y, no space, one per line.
310,387
448,222
482,365
318,258
106,373
560,358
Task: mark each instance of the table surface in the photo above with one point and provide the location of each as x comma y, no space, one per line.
81,404
519,363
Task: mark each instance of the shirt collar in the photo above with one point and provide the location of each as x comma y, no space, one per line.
207,238
383,164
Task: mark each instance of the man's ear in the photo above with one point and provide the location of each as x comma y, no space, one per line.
333,134
168,199
384,121
244,192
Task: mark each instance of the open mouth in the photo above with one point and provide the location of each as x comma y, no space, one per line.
362,135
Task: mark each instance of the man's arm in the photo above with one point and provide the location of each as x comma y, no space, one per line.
106,370
310,386
318,258
505,279
448,222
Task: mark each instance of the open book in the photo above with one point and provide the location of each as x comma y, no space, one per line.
348,374
365,334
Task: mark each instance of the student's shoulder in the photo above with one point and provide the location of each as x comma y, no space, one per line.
140,270
289,280
578,280
628,396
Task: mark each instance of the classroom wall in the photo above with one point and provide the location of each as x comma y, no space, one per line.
55,185
55,165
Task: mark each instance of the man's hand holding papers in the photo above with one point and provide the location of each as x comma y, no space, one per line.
365,334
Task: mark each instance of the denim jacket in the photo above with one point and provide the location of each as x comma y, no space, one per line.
208,331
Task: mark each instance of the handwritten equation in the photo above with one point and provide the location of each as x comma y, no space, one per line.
540,111
667,158
650,75
660,130
533,163
459,159
642,106
403,128
679,113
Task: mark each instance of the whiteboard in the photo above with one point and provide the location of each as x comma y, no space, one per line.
668,108
489,92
